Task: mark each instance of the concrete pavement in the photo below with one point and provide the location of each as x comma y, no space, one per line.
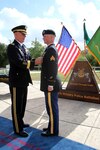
79,121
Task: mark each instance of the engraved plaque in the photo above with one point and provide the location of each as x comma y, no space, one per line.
82,78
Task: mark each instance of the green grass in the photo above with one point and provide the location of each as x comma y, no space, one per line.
97,77
36,76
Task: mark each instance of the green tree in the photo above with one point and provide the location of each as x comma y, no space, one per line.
37,49
3,55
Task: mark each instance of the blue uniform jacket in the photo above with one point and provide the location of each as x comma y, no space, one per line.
49,71
19,75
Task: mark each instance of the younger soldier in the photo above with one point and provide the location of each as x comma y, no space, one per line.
50,83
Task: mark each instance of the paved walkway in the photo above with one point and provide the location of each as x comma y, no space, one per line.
79,121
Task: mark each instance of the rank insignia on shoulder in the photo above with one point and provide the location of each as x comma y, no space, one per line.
52,58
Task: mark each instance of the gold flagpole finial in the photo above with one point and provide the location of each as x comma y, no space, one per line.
84,20
62,23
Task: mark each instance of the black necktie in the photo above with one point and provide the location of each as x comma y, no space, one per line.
24,51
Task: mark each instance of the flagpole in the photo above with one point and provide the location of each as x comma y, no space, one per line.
70,70
84,38
66,51
84,54
61,23
69,73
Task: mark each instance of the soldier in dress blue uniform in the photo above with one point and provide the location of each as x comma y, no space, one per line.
50,83
19,78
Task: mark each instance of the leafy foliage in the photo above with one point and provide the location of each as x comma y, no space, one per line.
37,49
3,55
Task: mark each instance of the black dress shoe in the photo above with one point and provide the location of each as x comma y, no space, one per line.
45,129
22,134
26,125
46,133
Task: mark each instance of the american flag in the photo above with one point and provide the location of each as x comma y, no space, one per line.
68,52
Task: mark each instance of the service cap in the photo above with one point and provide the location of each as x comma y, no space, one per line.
21,28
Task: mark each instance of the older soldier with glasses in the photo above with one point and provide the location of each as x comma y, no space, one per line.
19,78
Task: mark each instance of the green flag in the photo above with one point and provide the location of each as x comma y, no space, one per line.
86,37
94,45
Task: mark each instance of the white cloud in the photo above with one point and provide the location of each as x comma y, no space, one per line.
71,13
50,11
12,17
1,24
37,25
3,39
75,11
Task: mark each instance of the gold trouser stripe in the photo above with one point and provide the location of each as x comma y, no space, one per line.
14,110
51,112
28,64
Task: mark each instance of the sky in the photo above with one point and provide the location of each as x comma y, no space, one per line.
38,15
